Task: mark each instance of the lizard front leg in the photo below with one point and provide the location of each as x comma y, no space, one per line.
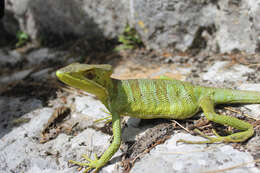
207,105
98,163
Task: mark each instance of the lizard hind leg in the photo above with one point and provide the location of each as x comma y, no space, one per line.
247,129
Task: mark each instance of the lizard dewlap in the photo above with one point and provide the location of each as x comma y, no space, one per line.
154,98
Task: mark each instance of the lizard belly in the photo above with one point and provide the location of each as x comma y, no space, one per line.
174,111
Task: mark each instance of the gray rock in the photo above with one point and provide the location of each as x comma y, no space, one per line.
41,56
9,26
12,108
230,25
16,76
251,109
255,14
11,58
165,24
195,158
42,74
22,152
87,18
221,71
235,26
182,24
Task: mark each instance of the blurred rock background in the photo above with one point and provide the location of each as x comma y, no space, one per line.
207,42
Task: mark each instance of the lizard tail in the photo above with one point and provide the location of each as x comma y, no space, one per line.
235,96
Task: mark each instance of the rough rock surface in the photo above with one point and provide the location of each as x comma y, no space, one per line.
222,25
24,115
65,18
170,157
218,26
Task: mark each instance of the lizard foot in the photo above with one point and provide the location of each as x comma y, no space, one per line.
91,164
108,118
210,139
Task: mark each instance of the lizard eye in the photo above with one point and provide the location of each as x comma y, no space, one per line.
89,75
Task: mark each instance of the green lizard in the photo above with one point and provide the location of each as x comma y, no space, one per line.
154,98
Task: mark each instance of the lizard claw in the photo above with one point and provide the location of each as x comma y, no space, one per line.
91,164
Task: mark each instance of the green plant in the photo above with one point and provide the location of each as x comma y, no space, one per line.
22,38
129,39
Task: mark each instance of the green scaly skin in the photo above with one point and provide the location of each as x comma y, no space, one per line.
154,98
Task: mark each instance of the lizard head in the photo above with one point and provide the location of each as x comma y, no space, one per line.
91,78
